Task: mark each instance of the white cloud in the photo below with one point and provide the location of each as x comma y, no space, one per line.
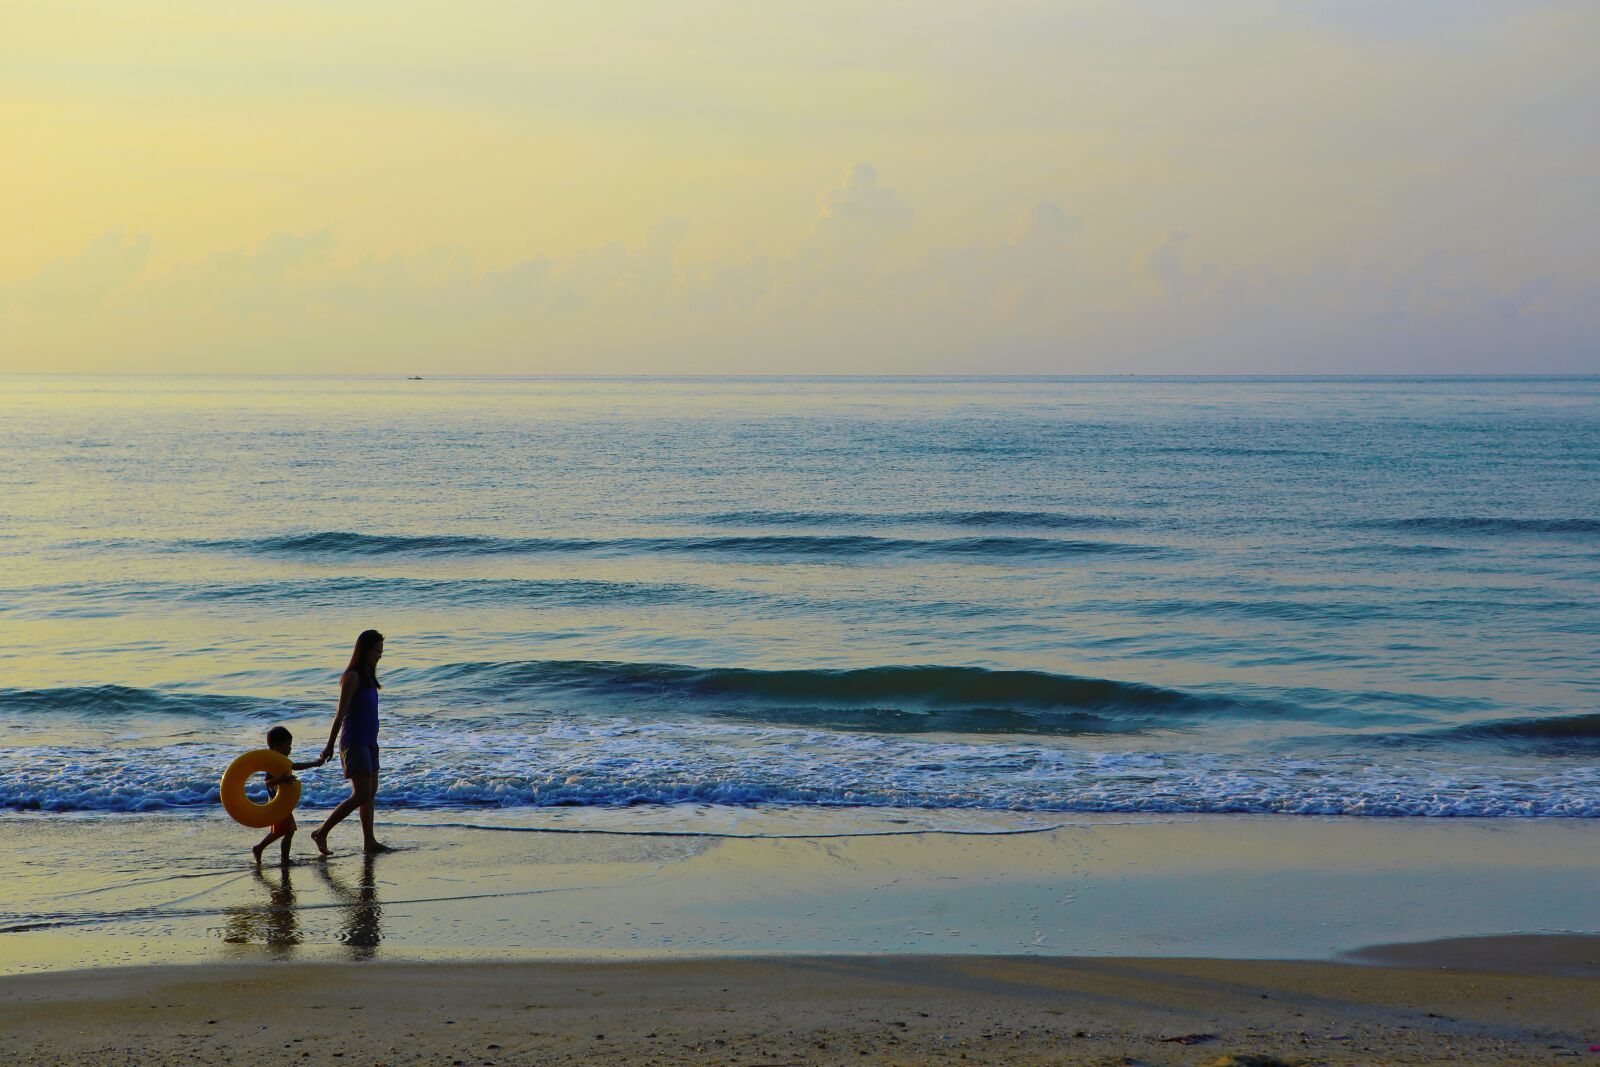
82,283
857,204
1164,264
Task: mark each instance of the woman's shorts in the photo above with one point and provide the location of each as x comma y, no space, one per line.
359,760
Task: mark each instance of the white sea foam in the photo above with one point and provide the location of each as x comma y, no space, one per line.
610,763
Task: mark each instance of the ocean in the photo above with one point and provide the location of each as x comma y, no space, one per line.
1347,596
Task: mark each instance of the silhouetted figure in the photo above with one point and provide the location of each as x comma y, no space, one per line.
355,727
281,741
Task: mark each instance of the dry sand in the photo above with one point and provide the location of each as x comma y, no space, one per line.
812,1010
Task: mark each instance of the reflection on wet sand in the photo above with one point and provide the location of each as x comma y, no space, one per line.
276,925
362,913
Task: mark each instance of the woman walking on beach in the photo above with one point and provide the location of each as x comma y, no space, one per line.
355,726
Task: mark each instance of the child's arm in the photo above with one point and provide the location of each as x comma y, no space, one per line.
307,765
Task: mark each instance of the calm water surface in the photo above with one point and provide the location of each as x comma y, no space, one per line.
1343,596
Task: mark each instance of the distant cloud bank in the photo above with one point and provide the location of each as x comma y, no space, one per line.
845,298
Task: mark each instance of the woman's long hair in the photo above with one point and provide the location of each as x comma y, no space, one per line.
365,674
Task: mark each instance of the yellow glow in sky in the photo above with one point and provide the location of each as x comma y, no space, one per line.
632,187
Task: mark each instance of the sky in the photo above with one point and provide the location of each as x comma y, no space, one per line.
772,187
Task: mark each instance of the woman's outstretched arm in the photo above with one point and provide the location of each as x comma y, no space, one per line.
347,692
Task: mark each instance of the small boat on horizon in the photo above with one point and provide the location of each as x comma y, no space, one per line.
414,378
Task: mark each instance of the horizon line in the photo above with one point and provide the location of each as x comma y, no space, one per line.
1242,375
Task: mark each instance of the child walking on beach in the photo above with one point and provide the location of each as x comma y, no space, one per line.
280,740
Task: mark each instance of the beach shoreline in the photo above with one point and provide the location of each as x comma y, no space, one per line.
768,937
89,892
806,1010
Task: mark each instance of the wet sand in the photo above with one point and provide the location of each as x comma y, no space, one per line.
669,884
1575,955
802,1010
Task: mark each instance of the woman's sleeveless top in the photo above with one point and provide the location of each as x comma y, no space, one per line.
361,721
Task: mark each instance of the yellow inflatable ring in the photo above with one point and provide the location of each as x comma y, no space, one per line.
241,807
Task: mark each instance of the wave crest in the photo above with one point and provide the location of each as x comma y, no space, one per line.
1039,520
887,699
345,543
124,700
1485,524
1564,730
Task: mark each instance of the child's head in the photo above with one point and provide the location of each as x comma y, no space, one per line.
279,739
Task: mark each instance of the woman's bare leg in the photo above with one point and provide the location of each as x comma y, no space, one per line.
361,789
368,809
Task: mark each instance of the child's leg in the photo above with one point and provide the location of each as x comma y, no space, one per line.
272,835
288,827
